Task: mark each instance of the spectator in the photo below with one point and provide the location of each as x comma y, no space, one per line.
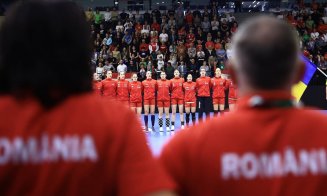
170,71
108,67
182,69
100,70
163,37
193,69
122,67
98,17
206,68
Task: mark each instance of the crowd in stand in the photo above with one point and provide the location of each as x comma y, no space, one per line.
311,24
161,40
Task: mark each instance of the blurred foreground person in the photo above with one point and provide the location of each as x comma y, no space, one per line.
56,136
269,146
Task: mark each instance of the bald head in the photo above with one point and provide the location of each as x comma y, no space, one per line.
266,52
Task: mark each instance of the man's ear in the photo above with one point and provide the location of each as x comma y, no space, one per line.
299,72
230,66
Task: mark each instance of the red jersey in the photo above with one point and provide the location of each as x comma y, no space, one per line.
135,92
156,26
122,90
203,86
163,48
109,88
210,45
144,47
149,89
218,87
82,146
138,27
97,87
282,153
189,18
232,89
163,90
190,37
177,88
190,91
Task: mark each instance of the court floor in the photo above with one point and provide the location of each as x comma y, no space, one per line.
156,140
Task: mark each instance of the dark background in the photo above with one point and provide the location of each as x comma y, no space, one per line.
315,94
4,5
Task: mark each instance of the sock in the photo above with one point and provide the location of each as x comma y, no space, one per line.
207,115
200,116
215,112
160,122
172,123
167,122
193,117
182,123
153,118
146,118
187,116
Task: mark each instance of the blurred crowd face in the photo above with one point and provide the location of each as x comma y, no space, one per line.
109,74
148,75
163,76
96,77
122,75
134,77
176,73
202,72
218,73
189,78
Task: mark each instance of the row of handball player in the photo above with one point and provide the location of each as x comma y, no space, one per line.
165,93
57,137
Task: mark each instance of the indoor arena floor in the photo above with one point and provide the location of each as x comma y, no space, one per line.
156,140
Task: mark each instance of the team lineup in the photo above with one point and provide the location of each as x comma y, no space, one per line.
201,96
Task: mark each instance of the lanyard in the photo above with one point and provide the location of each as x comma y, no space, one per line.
259,102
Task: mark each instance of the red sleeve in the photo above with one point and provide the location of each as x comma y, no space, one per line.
210,83
138,172
101,90
227,84
129,87
175,159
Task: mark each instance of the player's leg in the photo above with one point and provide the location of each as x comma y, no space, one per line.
146,116
187,113
200,108
181,112
173,113
167,118
215,106
153,117
193,110
160,110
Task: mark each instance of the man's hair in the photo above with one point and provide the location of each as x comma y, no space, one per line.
45,51
266,51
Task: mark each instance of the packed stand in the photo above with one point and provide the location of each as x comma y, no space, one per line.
155,41
311,24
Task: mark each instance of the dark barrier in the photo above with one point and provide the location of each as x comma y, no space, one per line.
315,94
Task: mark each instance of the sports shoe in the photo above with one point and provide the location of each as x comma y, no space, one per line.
183,127
161,129
150,129
172,127
167,129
